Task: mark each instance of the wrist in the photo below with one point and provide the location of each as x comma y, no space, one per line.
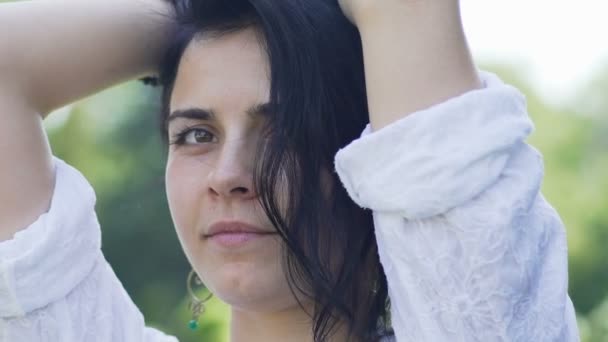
375,14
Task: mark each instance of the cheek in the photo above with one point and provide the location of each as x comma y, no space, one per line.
183,186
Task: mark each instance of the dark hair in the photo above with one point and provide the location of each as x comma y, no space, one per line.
318,105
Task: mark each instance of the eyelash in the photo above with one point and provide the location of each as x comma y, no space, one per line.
179,138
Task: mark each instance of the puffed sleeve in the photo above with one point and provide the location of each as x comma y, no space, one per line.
471,249
55,284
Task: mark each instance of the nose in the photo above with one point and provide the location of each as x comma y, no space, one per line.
232,176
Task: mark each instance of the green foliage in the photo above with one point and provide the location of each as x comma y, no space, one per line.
574,144
113,139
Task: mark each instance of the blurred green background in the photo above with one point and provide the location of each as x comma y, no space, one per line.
113,138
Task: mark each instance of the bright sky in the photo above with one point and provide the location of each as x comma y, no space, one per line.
561,42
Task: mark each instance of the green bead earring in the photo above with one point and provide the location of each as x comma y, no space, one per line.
197,306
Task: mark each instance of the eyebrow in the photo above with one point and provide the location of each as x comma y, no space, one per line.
203,114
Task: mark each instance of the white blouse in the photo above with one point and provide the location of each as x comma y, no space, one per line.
471,249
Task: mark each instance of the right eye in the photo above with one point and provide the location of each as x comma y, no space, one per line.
193,136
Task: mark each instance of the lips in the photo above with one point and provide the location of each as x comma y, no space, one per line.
234,227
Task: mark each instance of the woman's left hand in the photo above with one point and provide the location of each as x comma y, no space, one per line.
360,10
356,10
352,9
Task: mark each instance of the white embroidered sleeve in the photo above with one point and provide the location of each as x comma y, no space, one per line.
55,284
471,249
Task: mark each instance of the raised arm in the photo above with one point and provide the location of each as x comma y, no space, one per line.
415,52
470,248
53,53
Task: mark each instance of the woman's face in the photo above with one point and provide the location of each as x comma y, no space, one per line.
220,93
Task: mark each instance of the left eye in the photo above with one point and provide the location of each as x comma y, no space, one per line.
194,136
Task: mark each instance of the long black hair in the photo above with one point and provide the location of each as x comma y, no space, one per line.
318,105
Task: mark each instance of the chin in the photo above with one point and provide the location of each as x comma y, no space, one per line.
248,290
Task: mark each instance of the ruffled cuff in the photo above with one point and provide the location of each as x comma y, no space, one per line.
438,158
47,260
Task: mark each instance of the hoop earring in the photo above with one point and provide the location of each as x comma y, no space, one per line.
196,305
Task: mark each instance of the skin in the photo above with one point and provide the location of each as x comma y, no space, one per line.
416,55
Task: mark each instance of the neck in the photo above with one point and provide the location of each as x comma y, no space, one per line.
288,325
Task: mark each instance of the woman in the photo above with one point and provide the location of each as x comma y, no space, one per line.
259,97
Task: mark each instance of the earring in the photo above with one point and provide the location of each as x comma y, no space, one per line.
196,305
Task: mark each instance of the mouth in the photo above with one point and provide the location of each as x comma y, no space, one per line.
237,239
232,234
224,227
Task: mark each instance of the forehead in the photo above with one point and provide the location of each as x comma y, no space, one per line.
225,72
